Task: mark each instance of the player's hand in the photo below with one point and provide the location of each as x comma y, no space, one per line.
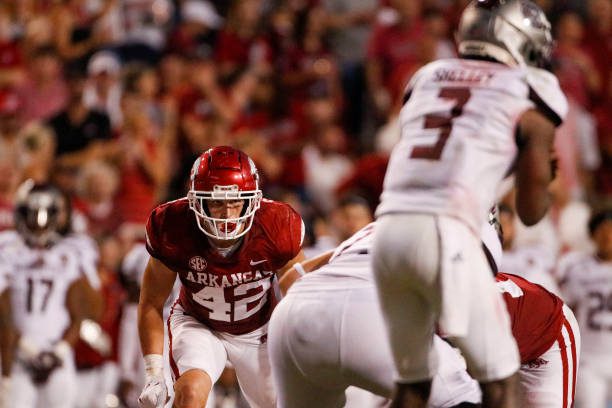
27,351
43,365
154,394
46,362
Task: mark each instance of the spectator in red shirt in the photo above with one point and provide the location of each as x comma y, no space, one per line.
393,47
574,67
44,91
11,58
240,43
366,179
143,164
598,40
309,63
97,186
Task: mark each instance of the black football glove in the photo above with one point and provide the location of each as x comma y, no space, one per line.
41,367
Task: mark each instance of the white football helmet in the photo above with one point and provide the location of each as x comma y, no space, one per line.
513,32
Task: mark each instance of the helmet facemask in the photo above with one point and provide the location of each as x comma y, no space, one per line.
224,228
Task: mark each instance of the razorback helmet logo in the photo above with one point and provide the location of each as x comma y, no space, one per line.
224,173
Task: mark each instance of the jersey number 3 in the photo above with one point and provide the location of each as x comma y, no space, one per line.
444,124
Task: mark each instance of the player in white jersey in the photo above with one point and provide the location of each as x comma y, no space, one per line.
587,288
48,299
328,333
466,124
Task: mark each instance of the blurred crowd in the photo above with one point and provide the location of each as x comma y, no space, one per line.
112,100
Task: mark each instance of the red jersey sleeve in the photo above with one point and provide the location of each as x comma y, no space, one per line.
154,234
292,245
285,228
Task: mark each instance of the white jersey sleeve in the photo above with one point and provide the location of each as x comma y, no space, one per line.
87,253
545,92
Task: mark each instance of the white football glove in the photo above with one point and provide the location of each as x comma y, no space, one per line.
154,394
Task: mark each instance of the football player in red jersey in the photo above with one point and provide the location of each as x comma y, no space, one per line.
227,245
546,333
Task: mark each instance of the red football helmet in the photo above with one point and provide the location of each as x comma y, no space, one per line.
224,173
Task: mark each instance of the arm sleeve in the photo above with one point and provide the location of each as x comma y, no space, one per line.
295,234
546,94
88,257
152,232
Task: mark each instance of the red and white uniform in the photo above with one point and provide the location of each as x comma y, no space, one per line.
225,302
548,338
328,333
587,286
457,145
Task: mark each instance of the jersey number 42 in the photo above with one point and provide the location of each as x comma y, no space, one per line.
213,298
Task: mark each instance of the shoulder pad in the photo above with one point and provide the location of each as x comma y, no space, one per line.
545,92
